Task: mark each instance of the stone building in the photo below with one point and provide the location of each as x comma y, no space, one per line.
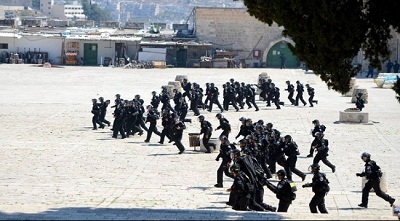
234,29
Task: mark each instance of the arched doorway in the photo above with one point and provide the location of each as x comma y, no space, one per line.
273,59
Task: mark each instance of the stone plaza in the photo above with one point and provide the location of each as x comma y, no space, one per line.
54,166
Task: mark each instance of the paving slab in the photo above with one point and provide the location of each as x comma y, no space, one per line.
54,166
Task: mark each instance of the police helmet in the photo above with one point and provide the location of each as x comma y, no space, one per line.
201,118
101,98
218,115
154,92
288,138
259,126
315,122
270,125
94,99
249,137
117,95
287,82
261,122
242,119
236,152
281,173
297,82
243,141
365,154
360,94
235,168
314,166
307,85
319,134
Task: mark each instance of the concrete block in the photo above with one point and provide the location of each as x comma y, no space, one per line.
181,77
176,85
356,117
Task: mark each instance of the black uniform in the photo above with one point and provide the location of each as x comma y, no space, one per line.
320,187
119,121
250,95
322,153
242,188
311,94
373,173
225,126
317,128
206,130
96,111
213,94
224,153
178,128
152,117
283,192
291,151
299,96
103,111
290,89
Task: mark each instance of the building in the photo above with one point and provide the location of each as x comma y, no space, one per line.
234,29
46,7
68,12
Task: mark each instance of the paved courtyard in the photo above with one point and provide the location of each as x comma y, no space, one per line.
54,166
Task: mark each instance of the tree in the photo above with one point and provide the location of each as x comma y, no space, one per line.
94,12
329,33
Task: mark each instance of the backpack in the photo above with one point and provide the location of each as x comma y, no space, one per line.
376,170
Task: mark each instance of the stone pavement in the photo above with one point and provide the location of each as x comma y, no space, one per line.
53,166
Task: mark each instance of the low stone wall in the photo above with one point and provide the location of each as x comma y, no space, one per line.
355,117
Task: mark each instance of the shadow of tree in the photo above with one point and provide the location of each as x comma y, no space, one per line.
87,213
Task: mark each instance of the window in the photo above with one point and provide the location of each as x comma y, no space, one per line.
3,46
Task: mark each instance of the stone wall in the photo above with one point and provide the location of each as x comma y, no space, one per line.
234,29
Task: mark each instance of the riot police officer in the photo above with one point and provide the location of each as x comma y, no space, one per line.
373,173
283,191
225,154
291,150
224,125
206,130
320,187
96,111
322,151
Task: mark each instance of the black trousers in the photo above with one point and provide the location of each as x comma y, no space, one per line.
321,156
313,143
251,100
223,168
214,101
291,164
118,127
95,121
373,183
310,100
284,205
259,198
152,128
290,97
102,118
299,96
166,132
318,200
178,142
206,141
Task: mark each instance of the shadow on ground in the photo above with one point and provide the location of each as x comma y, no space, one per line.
87,213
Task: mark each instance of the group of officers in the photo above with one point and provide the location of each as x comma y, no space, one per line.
260,149
254,161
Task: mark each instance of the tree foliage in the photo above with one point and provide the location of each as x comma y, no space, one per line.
94,12
329,33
